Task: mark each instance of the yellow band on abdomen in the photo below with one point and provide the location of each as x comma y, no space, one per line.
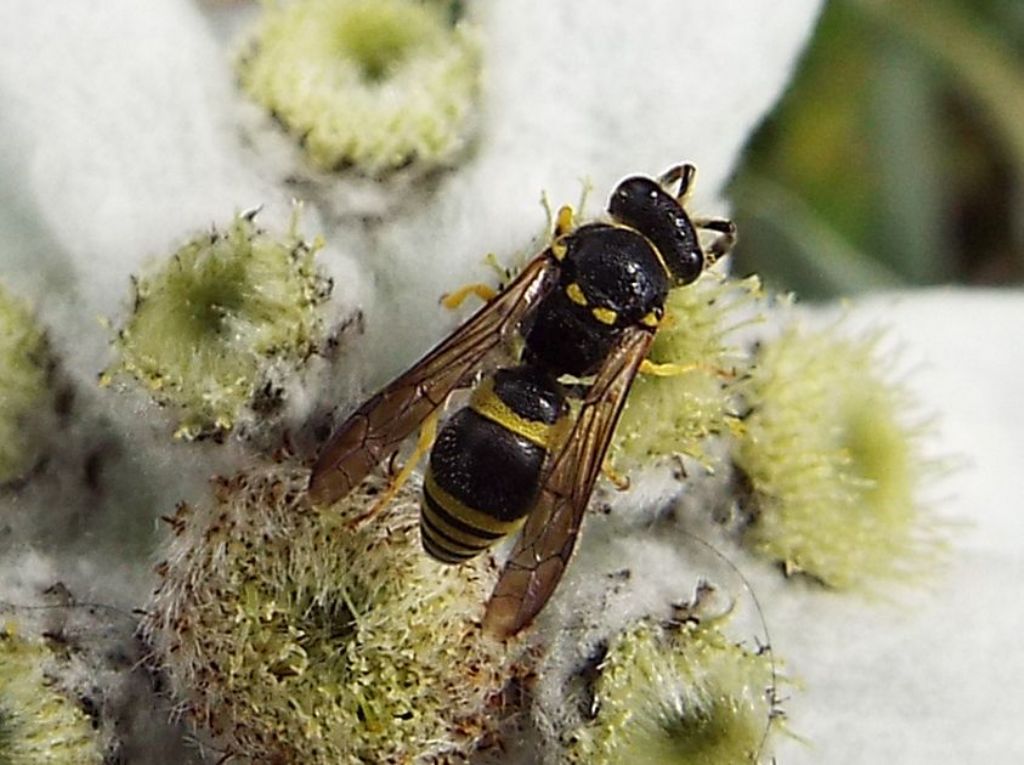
486,403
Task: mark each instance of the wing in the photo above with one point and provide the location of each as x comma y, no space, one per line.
379,426
546,543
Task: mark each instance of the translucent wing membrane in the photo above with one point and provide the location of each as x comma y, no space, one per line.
376,430
546,543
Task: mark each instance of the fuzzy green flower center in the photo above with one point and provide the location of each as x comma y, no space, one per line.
24,387
378,37
327,629
702,735
878,451
695,733
835,464
210,304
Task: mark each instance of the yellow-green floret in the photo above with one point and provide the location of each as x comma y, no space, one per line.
679,694
673,414
38,724
214,327
835,463
25,364
294,637
372,83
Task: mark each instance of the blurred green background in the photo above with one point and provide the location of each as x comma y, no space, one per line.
897,157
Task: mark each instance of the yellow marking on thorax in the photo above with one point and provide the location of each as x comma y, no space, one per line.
462,511
559,249
651,320
575,294
486,403
608,315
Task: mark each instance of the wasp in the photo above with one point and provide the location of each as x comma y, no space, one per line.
532,440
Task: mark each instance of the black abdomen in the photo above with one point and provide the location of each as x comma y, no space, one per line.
485,466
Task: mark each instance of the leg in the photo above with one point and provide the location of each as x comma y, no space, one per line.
562,222
648,367
618,480
724,243
686,174
428,432
453,300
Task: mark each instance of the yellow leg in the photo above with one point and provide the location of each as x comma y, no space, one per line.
620,481
648,367
428,432
565,221
453,300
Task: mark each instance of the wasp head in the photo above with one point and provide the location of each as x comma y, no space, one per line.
642,203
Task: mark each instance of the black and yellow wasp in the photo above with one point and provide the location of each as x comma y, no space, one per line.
586,308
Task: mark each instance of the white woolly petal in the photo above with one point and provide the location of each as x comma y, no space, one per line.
119,137
119,129
932,677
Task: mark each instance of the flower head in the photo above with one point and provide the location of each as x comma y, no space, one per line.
292,634
679,694
372,83
834,465
674,414
214,329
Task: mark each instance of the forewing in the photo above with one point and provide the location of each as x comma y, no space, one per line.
378,427
546,543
